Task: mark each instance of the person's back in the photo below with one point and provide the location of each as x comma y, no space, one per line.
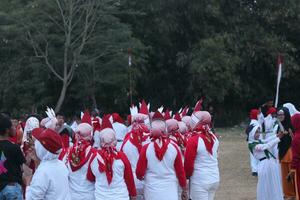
11,160
80,186
49,182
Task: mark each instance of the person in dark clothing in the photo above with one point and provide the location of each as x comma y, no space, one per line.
285,151
11,161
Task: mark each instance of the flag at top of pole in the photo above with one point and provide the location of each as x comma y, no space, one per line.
279,74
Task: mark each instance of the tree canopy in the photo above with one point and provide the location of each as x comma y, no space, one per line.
73,54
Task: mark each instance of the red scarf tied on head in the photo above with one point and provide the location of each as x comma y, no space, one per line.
77,155
160,150
208,138
108,154
137,136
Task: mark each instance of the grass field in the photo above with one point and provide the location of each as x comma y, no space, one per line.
236,180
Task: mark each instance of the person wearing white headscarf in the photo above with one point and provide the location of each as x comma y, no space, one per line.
111,169
31,123
50,180
201,158
269,180
77,159
292,108
160,165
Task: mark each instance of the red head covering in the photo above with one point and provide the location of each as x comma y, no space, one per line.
48,138
106,122
96,124
296,122
167,115
185,111
254,114
144,108
117,118
198,105
129,119
177,117
271,111
86,118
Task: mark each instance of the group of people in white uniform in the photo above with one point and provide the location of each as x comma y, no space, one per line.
269,141
160,156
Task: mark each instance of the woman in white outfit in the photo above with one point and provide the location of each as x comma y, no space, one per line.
111,169
269,179
160,165
50,180
77,159
201,158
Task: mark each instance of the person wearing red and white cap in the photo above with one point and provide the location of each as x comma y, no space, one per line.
132,145
160,165
77,159
111,169
201,158
50,180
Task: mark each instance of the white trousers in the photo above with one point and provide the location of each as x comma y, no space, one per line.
253,163
204,192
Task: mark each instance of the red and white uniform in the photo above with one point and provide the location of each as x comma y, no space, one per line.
115,184
160,164
80,186
201,166
132,147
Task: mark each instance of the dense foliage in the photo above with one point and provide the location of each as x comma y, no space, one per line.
223,50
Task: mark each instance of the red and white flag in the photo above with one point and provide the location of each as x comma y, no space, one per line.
279,74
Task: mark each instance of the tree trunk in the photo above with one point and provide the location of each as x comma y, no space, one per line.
61,97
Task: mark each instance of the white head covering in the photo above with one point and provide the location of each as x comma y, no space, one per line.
42,153
252,133
108,138
85,131
292,109
31,123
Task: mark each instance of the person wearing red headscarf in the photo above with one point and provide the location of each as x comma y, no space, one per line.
295,167
132,146
160,165
254,113
201,158
111,170
77,159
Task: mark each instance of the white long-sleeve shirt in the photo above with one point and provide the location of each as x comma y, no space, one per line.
49,182
80,186
122,181
132,154
162,177
205,165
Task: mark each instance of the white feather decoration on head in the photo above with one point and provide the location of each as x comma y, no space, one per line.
51,124
148,106
180,110
161,109
133,110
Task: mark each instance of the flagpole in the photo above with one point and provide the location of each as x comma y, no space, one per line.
130,73
279,73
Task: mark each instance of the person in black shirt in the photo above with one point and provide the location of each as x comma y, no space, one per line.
11,161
